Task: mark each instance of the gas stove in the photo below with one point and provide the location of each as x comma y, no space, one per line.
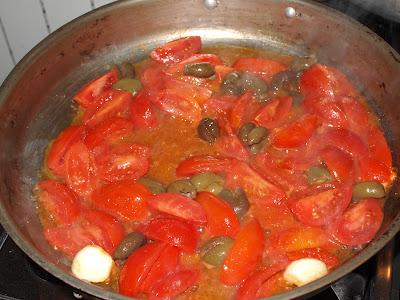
377,279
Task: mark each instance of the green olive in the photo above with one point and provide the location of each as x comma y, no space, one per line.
214,188
128,84
237,200
183,187
208,130
302,63
318,174
207,182
368,189
129,244
257,135
250,81
256,148
214,251
127,70
244,131
154,186
201,69
231,84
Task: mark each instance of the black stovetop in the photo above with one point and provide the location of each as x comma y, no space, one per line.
377,279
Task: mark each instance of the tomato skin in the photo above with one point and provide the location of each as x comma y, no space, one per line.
244,255
265,68
359,223
222,219
81,174
330,260
196,58
322,208
357,115
59,201
142,113
86,95
238,112
187,91
274,113
200,164
56,155
177,50
274,216
296,133
137,267
125,199
378,147
219,104
174,284
231,146
371,169
330,112
339,163
172,231
346,141
179,206
153,79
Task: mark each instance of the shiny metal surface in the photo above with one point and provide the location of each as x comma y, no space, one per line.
389,9
35,100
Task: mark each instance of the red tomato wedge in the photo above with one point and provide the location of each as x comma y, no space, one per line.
174,284
346,141
244,255
142,113
197,58
323,207
125,161
177,50
60,203
330,260
56,155
153,79
174,232
274,216
330,112
201,164
339,163
295,134
165,264
137,267
179,206
86,95
359,224
238,112
187,90
80,171
263,67
249,289
219,104
125,199
110,131
231,146
378,147
274,113
371,169
222,219
357,115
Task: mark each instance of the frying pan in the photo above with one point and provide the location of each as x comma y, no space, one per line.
35,100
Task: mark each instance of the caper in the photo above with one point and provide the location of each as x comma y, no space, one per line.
207,182
237,200
183,187
368,189
286,80
256,148
250,81
154,186
208,130
297,98
128,84
244,131
257,135
129,244
201,69
231,84
302,63
318,174
127,70
214,188
214,251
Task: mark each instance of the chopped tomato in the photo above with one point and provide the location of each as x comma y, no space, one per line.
201,164
231,146
249,289
263,67
274,285
60,203
80,171
86,95
165,264
357,115
110,131
339,163
323,207
197,58
330,260
359,224
153,79
137,267
346,141
177,50
274,216
295,134
222,219
238,112
142,113
187,90
125,199
56,155
219,104
244,255
174,284
371,169
172,231
330,112
179,206
274,113
378,147
125,161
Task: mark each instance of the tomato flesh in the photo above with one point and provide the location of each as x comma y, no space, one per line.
176,51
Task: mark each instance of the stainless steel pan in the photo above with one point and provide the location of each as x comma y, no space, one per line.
35,100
